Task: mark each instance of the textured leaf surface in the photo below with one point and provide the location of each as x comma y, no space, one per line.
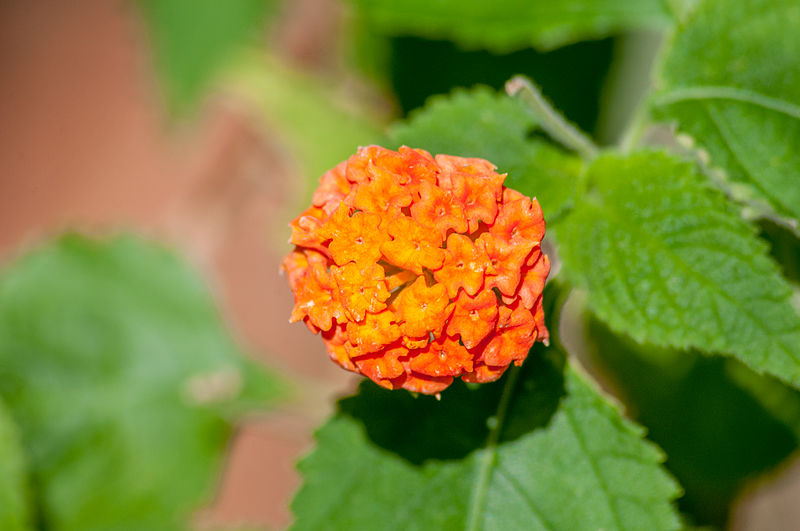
192,40
14,509
116,366
513,24
665,259
558,457
731,81
489,125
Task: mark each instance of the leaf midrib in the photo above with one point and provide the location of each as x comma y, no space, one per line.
723,92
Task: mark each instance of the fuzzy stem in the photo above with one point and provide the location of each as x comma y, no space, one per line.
551,121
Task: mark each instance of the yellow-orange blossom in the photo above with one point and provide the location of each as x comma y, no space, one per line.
416,269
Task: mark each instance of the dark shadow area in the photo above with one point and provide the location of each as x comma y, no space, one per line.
422,428
571,77
716,434
783,248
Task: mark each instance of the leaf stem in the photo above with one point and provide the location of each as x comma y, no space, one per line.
551,121
489,457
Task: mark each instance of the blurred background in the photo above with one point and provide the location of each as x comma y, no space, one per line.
203,125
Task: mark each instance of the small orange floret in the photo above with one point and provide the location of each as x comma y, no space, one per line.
374,332
422,309
442,357
437,208
473,317
520,221
382,367
417,270
413,247
355,238
316,299
475,186
483,373
362,288
507,261
464,266
333,189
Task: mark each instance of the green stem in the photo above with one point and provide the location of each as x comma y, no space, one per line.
489,456
551,121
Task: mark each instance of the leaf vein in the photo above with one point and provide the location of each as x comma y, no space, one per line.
568,415
717,92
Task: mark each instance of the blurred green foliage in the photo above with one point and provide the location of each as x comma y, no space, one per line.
192,40
319,126
15,510
123,381
505,25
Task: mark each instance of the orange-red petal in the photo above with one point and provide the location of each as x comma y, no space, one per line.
412,247
473,318
519,222
441,357
356,238
422,309
361,288
333,189
438,209
464,266
374,332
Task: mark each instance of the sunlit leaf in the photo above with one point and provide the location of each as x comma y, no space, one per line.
731,81
540,449
665,259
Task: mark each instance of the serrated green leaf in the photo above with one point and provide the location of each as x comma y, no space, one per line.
689,402
115,363
192,39
731,81
513,24
390,461
14,503
483,123
665,259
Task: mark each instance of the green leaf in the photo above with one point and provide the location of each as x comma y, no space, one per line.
14,503
687,401
483,123
513,24
665,259
731,81
516,454
193,39
116,365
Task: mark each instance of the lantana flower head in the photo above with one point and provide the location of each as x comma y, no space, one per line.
416,270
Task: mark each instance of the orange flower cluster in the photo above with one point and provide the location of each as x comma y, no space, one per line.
416,269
